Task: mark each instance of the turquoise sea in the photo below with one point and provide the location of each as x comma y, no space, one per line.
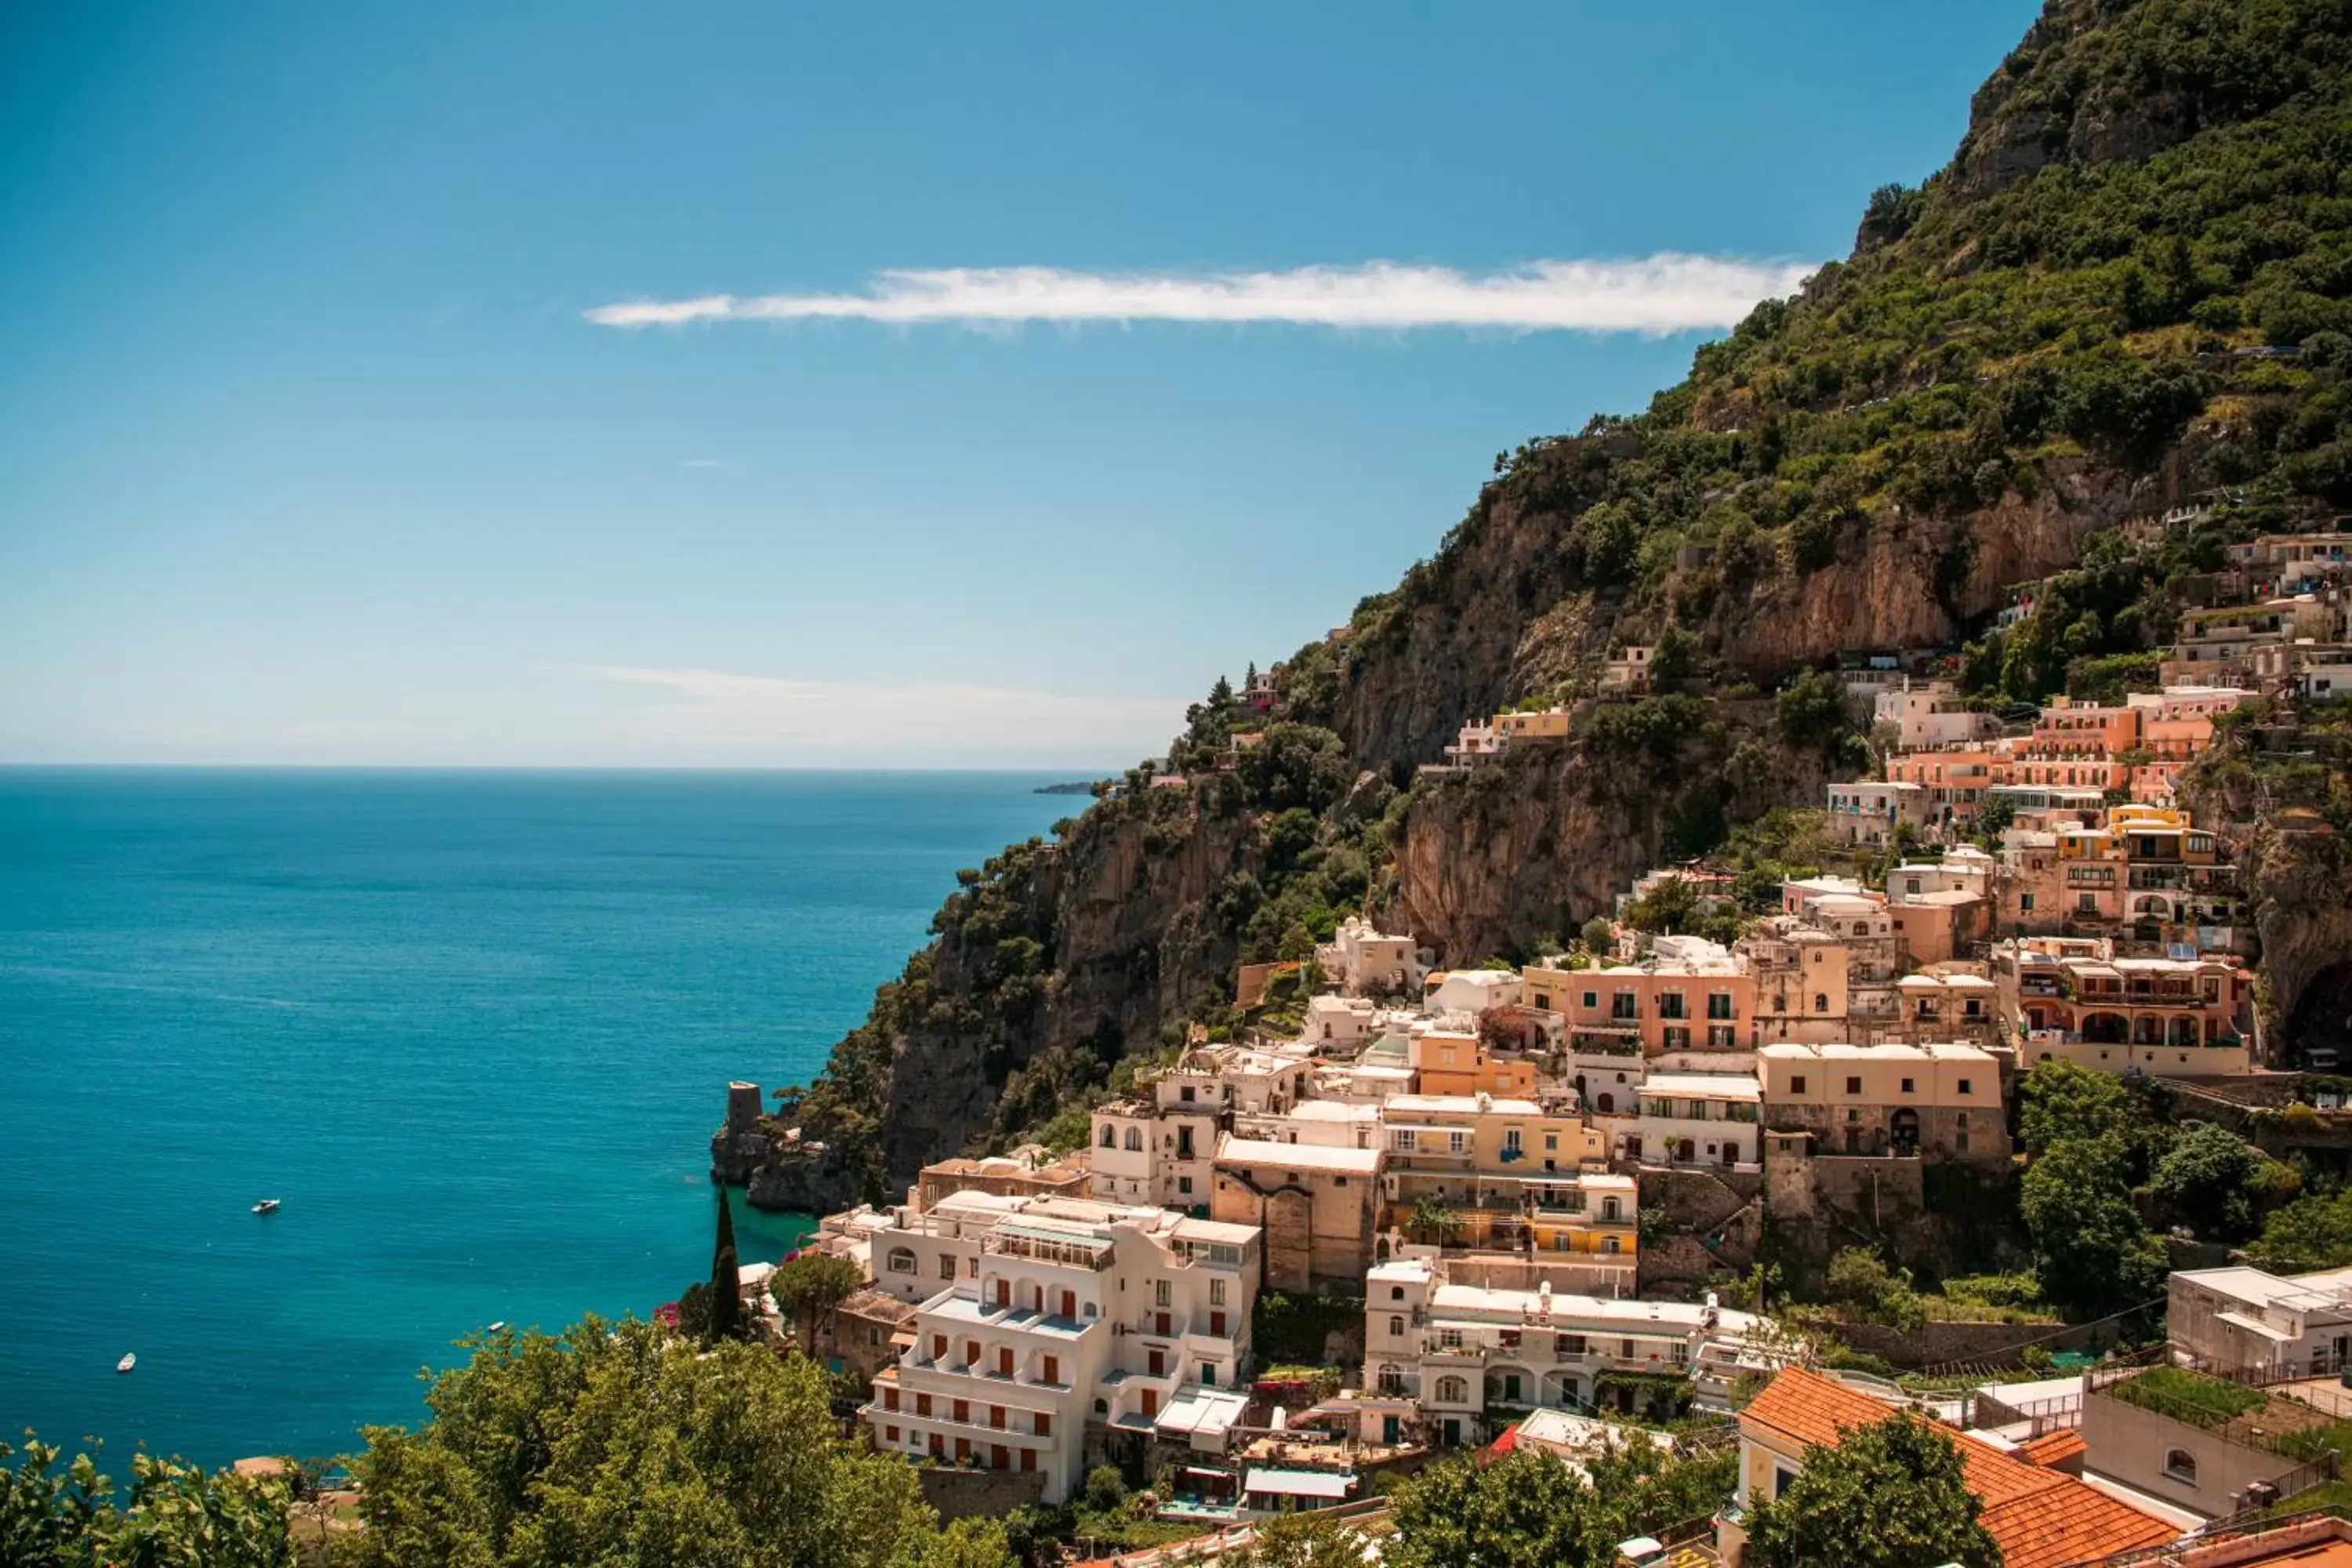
473,1028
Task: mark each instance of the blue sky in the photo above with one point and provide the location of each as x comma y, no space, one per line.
311,450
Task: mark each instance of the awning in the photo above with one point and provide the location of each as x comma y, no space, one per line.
1297,1483
2255,1326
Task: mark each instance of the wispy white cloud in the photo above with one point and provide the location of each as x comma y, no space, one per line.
1663,293
780,717
699,463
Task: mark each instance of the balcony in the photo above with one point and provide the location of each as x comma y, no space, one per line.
1042,1245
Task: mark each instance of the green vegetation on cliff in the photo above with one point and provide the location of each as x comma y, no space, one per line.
2132,287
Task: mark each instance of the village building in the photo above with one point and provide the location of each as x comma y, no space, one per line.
1929,714
1316,1204
2244,1322
2072,999
1869,812
1368,963
2040,1517
1073,1313
1929,1101
1476,1358
1696,1118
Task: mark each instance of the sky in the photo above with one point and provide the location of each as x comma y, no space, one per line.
881,385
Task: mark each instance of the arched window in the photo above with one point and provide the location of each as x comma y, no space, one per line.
1110,1136
2180,1464
1452,1390
1820,1001
1135,1140
1396,1327
1605,1103
901,1260
1396,1292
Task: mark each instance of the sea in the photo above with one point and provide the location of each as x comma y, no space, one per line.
473,1029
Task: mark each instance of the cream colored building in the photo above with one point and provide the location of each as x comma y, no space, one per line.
1473,1357
1316,1205
1939,1102
1072,1313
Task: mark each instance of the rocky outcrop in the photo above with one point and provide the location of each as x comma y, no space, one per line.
1545,837
2300,889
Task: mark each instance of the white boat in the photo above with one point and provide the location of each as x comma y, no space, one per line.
267,1205
127,1362
498,1327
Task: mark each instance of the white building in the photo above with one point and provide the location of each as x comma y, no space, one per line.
1369,963
1868,811
1324,1123
2243,1320
1339,1022
1072,1312
1473,991
1930,713
1697,1119
1463,1351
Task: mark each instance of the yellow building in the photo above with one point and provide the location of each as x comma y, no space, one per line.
1511,1175
1451,1065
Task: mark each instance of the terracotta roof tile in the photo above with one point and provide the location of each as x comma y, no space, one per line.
2042,1518
2052,1449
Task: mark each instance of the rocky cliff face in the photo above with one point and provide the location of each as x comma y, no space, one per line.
2301,885
1546,835
2041,341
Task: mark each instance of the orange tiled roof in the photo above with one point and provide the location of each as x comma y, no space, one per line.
2052,1449
2042,1518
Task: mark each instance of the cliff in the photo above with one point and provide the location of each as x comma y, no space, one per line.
2129,286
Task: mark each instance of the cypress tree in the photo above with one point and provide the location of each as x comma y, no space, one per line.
726,1294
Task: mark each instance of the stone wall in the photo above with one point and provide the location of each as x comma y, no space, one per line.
1987,1344
959,1493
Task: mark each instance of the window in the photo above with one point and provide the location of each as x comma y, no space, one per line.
1396,1327
1456,1143
1185,1185
1781,1479
1964,1088
1396,1292
1400,1140
1452,1390
1135,1141
2180,1464
901,1260
1042,1423
1820,1003
1511,1140
1592,1001
1721,1036
1670,1005
947,1266
1216,1292
1162,1292
1208,1374
1796,1084
1624,1005
1568,1347
1854,1086
1109,1136
1049,1370
1906,1087
1551,1141
1677,1039
2025,903
1611,1245
1719,1005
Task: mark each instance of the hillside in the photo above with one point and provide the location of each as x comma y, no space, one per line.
2131,286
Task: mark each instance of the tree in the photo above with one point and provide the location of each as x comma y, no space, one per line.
619,1444
1598,936
2313,1232
1529,1510
2059,1100
2210,1179
1998,816
807,1286
1433,1221
2093,1255
1813,712
1859,1279
174,1513
1889,1496
1525,1511
1302,1540
726,1290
